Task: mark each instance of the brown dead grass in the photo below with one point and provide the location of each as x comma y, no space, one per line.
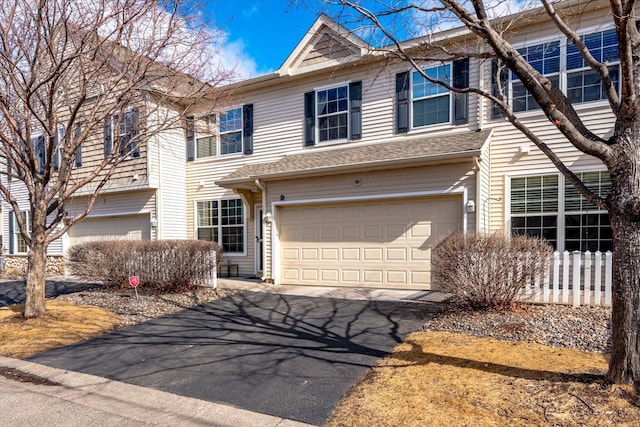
62,324
445,379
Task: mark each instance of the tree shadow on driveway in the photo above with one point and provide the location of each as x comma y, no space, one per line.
287,356
13,291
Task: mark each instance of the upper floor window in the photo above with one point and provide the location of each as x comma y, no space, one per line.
122,131
333,114
562,63
422,101
583,84
333,109
220,134
545,58
431,102
565,219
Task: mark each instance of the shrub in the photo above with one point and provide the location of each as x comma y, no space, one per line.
490,271
162,265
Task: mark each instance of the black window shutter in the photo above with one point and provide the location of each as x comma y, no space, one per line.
247,129
190,137
402,102
40,152
135,131
461,100
503,77
355,110
12,248
309,118
108,137
57,154
79,149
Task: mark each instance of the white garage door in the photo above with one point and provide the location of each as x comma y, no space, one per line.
385,244
130,227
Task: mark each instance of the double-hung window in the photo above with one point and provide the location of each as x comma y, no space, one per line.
431,102
583,84
550,207
17,243
122,131
222,221
545,58
333,114
561,62
220,134
231,131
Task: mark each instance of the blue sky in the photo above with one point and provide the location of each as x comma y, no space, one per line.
261,33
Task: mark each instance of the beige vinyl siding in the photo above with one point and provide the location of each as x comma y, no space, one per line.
434,180
171,169
483,194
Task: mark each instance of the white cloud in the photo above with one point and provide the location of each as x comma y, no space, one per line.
234,57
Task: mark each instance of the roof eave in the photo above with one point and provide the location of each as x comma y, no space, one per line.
330,170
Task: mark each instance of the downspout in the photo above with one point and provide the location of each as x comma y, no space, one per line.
263,191
476,167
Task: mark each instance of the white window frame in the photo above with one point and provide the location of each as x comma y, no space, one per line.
16,232
563,72
219,226
317,114
561,212
115,134
221,133
216,134
412,99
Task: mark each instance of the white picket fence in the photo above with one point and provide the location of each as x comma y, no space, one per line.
576,278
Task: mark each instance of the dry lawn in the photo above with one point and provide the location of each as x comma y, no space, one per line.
62,324
445,379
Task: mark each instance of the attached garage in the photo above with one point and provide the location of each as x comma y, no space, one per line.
126,227
378,243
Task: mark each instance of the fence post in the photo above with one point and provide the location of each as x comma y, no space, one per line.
214,271
545,280
565,277
607,277
597,287
587,278
575,288
556,276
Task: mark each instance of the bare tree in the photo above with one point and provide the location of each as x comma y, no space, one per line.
71,70
488,38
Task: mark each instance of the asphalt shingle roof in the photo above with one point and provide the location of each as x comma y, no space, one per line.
362,155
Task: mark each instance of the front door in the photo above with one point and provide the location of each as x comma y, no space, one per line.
259,240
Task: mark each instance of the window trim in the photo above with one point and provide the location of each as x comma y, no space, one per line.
16,232
562,73
217,135
434,126
316,117
561,213
219,226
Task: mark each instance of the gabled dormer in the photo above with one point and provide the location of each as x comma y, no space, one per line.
326,44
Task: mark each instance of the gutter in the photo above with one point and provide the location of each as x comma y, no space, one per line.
381,164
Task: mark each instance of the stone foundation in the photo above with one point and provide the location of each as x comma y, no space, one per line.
16,265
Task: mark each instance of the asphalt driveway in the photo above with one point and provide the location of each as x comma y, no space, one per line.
283,355
13,291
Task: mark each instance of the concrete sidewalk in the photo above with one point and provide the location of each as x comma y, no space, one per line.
359,294
79,400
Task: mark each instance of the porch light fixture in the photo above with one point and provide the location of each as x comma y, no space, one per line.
268,219
471,206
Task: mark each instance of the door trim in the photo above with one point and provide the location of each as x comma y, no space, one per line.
257,242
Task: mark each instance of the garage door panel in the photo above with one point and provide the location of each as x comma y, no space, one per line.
376,244
128,227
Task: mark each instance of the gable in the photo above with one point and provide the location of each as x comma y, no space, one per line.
326,44
328,47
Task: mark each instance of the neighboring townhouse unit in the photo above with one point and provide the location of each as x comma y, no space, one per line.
145,198
344,167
